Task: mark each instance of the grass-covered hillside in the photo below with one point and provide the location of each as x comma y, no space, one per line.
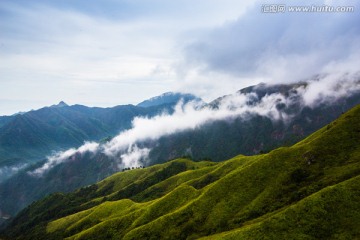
308,191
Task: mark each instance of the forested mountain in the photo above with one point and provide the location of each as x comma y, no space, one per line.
30,136
307,191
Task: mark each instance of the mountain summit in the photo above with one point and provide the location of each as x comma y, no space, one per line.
168,98
60,104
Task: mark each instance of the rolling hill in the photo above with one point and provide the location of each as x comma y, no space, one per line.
307,191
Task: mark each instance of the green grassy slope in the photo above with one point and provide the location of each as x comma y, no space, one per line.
332,213
308,191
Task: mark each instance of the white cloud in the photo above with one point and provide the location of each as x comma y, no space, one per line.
134,156
64,156
331,87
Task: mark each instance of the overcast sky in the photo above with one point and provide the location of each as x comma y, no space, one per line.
106,53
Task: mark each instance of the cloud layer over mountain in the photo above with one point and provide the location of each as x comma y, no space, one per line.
131,147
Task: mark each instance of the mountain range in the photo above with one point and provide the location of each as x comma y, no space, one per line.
26,139
31,136
61,126
307,191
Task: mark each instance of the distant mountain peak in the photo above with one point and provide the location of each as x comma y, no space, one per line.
168,98
18,113
60,104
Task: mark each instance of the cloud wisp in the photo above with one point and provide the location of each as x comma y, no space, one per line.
67,155
8,171
131,147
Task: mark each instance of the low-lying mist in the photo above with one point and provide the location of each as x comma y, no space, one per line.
8,171
130,149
